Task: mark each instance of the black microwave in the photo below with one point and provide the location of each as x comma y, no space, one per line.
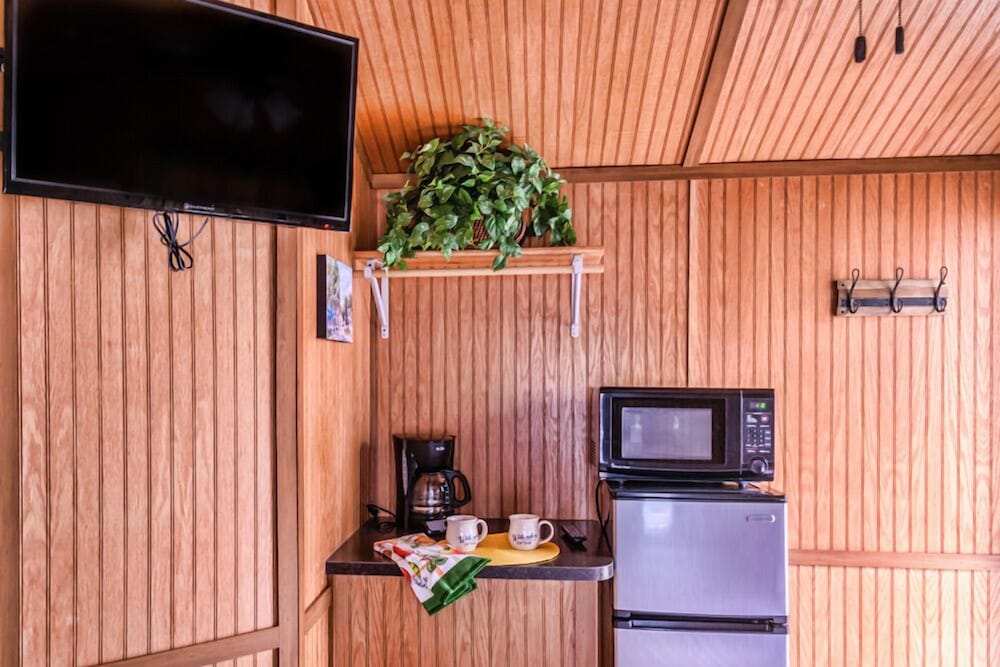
686,434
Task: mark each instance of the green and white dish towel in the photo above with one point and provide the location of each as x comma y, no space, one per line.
437,575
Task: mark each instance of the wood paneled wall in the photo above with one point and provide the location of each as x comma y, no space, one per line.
491,361
143,441
887,426
146,433
378,623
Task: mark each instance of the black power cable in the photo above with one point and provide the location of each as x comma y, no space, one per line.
179,258
604,520
381,525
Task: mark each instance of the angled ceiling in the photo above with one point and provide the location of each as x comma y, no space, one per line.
584,82
619,83
794,92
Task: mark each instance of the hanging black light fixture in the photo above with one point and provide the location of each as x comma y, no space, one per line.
860,46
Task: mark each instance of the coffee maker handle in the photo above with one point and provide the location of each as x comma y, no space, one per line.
466,497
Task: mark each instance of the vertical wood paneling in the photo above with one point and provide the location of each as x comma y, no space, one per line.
125,385
501,623
137,470
919,617
87,564
34,432
10,507
882,446
111,388
61,413
522,432
881,420
333,421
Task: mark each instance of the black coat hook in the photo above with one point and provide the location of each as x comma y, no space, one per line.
852,304
895,304
940,303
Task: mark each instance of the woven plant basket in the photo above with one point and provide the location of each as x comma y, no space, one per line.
479,230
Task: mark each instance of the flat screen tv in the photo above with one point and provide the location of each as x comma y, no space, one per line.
180,105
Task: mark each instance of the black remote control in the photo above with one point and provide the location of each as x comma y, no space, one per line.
573,537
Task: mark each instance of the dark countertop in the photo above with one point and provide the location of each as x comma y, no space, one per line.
357,556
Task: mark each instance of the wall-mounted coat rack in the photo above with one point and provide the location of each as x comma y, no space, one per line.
573,261
861,298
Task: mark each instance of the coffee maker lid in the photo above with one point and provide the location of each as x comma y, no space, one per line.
428,452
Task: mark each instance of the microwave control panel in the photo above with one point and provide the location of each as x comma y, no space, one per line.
758,428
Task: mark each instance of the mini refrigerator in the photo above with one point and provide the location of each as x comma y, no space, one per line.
700,577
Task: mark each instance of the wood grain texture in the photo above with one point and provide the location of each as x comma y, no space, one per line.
918,388
501,623
733,12
882,422
120,379
206,653
795,93
892,165
886,459
916,617
324,388
333,418
492,361
583,82
10,482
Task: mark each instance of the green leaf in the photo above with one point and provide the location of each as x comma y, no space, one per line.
468,177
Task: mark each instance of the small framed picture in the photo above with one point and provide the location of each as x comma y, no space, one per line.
334,292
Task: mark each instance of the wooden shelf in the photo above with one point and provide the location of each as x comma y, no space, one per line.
565,260
534,262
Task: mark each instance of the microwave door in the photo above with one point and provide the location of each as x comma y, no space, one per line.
700,558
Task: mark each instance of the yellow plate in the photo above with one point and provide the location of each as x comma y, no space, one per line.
498,550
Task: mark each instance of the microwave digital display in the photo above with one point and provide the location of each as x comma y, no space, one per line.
678,434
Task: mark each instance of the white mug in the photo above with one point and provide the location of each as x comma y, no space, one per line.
465,532
525,531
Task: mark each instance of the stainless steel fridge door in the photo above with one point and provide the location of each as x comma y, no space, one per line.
689,648
701,558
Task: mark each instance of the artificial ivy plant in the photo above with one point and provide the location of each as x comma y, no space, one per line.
474,178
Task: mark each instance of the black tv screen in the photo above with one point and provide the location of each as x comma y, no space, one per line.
180,105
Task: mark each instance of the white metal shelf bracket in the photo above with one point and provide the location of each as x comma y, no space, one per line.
380,292
577,278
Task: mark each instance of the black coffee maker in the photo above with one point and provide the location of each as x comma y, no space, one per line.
427,485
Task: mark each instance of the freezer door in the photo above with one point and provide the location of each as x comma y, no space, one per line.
701,558
690,648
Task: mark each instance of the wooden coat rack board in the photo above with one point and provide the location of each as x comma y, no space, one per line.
866,298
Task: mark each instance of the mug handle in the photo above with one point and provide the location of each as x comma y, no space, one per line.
485,530
552,531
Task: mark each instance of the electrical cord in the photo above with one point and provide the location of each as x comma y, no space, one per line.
179,258
603,521
381,525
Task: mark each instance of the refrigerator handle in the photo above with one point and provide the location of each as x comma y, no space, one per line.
707,625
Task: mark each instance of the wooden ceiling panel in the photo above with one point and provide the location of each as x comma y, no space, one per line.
794,92
584,82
